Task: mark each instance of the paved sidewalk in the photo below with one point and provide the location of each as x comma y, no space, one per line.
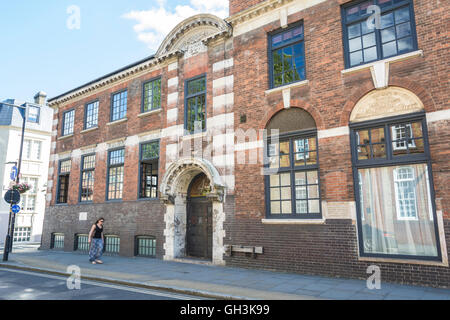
214,281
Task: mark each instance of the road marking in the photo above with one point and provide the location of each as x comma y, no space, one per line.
111,286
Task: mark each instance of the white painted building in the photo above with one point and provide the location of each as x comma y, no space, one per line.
34,170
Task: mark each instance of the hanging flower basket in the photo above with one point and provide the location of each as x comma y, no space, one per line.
21,187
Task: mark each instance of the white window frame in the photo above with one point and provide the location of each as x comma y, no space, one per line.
305,149
397,193
396,136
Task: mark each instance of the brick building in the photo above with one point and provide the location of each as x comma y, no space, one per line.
301,136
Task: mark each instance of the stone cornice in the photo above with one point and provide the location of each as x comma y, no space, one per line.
255,11
55,103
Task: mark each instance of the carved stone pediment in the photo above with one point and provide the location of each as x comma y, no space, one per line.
189,35
387,102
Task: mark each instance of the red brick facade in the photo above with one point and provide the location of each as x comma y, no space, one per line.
329,97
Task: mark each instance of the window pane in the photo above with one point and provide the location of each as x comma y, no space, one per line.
275,207
286,207
387,35
403,30
398,215
402,15
369,40
354,44
356,58
354,31
405,44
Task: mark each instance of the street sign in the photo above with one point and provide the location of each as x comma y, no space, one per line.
13,174
12,196
15,208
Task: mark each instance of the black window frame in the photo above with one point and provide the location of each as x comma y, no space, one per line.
63,126
390,161
137,246
53,240
76,245
378,42
109,166
86,126
271,49
108,244
111,118
291,136
66,175
141,162
197,94
82,171
153,80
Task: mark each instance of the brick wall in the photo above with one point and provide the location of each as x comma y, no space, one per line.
331,249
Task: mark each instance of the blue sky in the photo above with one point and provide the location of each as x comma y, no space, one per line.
40,52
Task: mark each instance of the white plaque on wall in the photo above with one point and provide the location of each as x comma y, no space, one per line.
83,216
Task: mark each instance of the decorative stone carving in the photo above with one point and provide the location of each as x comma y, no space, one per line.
188,36
387,102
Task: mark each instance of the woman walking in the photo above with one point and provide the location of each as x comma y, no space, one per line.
96,241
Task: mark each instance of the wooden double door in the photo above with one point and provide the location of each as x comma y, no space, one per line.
199,228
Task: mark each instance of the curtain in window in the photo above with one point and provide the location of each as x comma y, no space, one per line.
396,211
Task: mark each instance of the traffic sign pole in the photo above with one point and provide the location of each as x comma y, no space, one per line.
12,197
8,237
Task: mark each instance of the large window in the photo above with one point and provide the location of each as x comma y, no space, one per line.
68,122
287,56
87,178
293,183
151,99
119,105
63,181
116,162
394,199
149,170
91,115
368,39
195,105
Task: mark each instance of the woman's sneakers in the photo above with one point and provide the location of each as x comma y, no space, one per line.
99,261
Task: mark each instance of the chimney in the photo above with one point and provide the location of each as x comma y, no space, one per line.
40,98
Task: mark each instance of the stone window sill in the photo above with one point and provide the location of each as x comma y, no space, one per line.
149,113
117,122
293,221
66,137
404,261
289,86
89,130
406,56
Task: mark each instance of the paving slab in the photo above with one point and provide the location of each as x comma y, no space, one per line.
221,282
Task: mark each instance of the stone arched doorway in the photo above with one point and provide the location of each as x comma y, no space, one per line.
199,219
203,179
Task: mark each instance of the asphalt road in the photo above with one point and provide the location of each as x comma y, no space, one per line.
24,285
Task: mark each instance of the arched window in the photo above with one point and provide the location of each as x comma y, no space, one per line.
292,166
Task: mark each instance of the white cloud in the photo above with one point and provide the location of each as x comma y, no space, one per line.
154,24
